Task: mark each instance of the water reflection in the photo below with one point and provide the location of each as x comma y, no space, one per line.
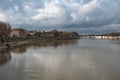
54,44
4,56
82,60
19,49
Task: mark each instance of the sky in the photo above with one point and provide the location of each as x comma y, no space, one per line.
83,16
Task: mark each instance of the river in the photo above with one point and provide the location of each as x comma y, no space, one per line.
82,59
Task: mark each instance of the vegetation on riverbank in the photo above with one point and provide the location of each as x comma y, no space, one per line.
14,37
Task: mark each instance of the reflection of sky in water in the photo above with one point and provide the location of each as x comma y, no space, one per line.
87,60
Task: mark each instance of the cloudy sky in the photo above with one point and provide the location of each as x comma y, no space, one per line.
84,16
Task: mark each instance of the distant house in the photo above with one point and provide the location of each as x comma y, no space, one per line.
5,29
54,33
18,32
71,34
34,33
31,33
45,34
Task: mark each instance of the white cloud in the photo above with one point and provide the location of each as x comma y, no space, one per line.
67,13
82,10
2,17
27,7
50,11
16,8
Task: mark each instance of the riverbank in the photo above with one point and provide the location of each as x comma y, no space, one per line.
17,42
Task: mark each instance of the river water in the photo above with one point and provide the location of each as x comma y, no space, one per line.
82,59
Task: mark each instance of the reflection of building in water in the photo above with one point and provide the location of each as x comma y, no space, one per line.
54,43
37,44
4,56
62,42
19,49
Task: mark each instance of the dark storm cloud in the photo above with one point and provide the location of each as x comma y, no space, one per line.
85,16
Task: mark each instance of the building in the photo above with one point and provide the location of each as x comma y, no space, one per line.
45,34
54,33
18,32
31,33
